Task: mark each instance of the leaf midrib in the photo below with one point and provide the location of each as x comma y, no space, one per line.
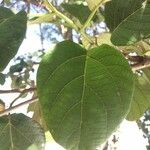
82,98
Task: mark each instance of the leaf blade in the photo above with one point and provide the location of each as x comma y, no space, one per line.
12,32
75,93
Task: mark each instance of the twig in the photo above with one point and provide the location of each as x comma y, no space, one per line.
142,62
17,91
91,16
6,111
11,104
51,8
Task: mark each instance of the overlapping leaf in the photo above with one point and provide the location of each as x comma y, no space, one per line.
18,132
12,32
118,10
141,96
84,94
133,29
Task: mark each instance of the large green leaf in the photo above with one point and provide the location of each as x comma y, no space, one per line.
118,10
84,94
134,28
18,132
12,32
141,96
80,11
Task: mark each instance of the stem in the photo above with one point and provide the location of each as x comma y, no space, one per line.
11,104
6,111
139,62
87,38
91,16
17,91
50,7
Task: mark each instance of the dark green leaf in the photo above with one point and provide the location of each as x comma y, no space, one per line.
118,10
5,13
18,132
2,79
134,28
141,96
81,11
17,67
12,32
84,95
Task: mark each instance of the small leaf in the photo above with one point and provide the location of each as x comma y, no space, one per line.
2,79
141,96
84,95
17,67
133,29
12,32
18,132
80,11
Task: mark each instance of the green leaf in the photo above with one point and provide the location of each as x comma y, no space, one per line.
17,67
133,29
18,132
141,96
121,10
2,79
80,11
5,13
12,32
84,95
